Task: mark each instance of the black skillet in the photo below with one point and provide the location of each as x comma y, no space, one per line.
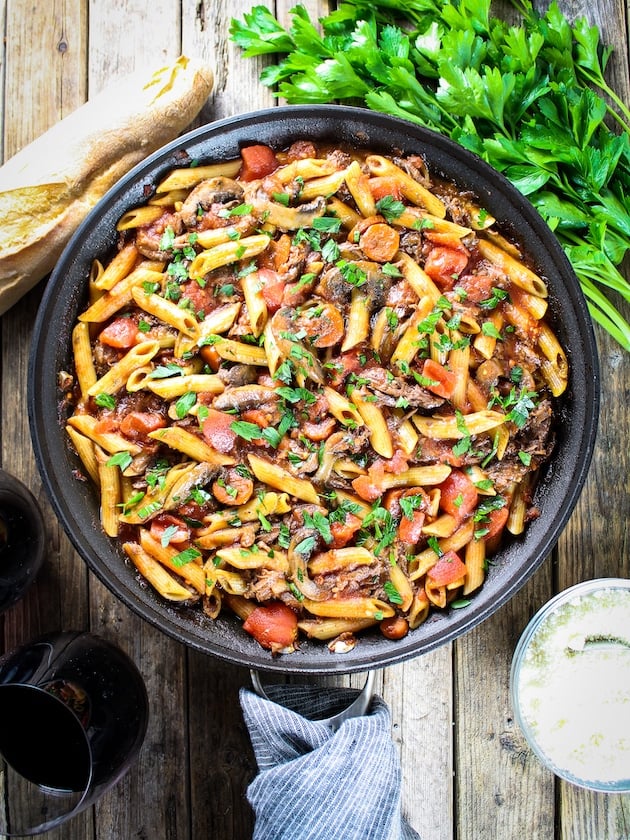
76,504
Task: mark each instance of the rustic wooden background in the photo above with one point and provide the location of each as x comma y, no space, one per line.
468,773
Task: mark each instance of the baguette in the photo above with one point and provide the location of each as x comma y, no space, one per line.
49,186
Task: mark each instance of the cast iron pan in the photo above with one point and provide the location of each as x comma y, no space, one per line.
76,504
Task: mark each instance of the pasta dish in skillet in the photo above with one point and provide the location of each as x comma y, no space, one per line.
313,387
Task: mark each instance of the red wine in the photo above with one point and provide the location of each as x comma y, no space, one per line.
21,548
44,741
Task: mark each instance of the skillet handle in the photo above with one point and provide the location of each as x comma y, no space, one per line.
358,707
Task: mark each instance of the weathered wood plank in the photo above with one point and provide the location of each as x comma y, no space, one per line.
124,37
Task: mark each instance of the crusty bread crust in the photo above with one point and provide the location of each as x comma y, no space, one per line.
48,187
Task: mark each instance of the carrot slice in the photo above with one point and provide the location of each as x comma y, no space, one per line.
380,242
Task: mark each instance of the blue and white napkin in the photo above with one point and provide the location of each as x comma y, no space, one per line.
316,784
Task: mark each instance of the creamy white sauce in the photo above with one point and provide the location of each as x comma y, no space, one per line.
574,686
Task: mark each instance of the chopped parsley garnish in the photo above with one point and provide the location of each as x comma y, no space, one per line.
105,401
120,459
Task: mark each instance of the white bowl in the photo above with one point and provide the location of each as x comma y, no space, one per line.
570,684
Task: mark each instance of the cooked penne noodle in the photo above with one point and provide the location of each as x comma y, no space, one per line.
419,609
168,556
342,408
475,560
238,351
111,442
408,437
417,476
375,421
441,526
217,236
226,253
120,295
337,559
167,311
305,168
196,383
256,306
408,345
359,188
330,628
417,278
402,585
326,185
83,361
119,267
156,574
485,341
352,607
358,324
281,479
244,534
452,428
116,377
185,178
518,273
109,483
190,444
410,188
416,219
555,366
85,450
348,217
241,558
139,378
458,363
139,216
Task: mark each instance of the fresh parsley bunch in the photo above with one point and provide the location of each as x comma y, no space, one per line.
531,99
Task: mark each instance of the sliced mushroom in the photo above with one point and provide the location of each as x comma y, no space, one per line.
219,190
287,218
197,475
244,397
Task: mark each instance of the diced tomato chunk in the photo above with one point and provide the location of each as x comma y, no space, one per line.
458,495
258,161
272,288
342,532
448,569
494,522
410,530
201,297
274,626
169,528
365,489
384,185
216,430
138,424
445,380
122,333
444,265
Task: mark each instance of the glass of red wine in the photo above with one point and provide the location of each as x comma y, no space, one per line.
22,539
73,716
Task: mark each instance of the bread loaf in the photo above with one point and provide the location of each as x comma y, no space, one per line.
49,186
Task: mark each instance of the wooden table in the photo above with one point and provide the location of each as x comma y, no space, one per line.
468,773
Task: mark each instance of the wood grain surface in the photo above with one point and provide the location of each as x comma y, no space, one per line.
467,771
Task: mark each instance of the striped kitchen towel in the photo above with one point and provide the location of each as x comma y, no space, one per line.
316,784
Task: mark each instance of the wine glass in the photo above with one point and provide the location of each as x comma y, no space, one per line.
22,539
73,716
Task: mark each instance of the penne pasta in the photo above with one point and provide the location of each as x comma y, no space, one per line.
190,444
116,377
281,479
316,394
